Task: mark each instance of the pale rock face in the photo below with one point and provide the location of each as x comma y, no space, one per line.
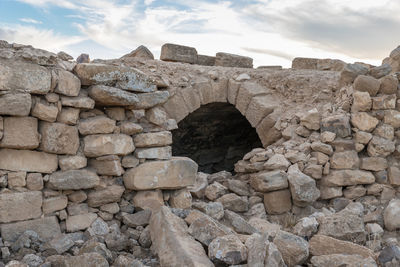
68,116
178,53
111,96
68,84
74,179
392,117
388,85
228,249
80,222
154,153
294,249
54,204
150,199
338,124
391,215
345,160
368,84
153,139
20,133
107,144
348,177
107,165
107,195
278,202
181,199
277,161
80,101
29,206
59,138
269,181
302,187
44,111
26,160
342,260
307,226
205,229
311,119
361,101
234,202
364,121
96,125
380,147
72,162
130,128
172,174
231,60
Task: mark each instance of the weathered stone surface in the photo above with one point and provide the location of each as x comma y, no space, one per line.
44,111
174,246
178,53
364,121
68,84
345,160
20,133
384,102
277,162
172,174
361,101
80,222
269,181
107,165
388,85
96,125
31,78
47,228
205,229
123,77
54,204
107,195
154,153
149,100
107,144
111,96
141,218
157,139
394,175
380,71
59,138
239,224
231,60
348,177
81,101
234,202
85,260
325,245
215,190
278,202
260,107
68,116
228,249
72,162
337,260
25,160
130,128
302,187
392,117
246,92
151,199
391,215
205,60
15,104
294,249
141,52
311,119
20,206
321,147
380,147
373,164
74,179
338,124
368,84
34,181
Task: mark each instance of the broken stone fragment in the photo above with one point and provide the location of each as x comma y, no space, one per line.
74,179
107,144
178,53
227,249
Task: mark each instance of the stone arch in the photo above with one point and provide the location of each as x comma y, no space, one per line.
254,101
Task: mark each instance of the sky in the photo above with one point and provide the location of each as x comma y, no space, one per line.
272,32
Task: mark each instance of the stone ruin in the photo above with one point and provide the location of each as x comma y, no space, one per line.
197,160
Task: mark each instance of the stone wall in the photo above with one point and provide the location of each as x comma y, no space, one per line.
87,146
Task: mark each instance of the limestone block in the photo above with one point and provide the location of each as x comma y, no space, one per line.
345,160
26,160
278,202
54,204
59,138
74,180
233,88
68,116
338,124
269,181
228,249
380,147
304,63
348,177
34,181
16,179
149,100
141,52
80,222
361,101
107,165
20,133
176,173
111,96
368,84
154,153
96,125
392,117
29,206
246,92
384,102
80,101
388,85
15,104
364,121
178,53
373,164
156,139
191,97
260,107
68,84
205,60
44,111
107,144
104,196
130,128
231,60
310,119
176,107
294,249
72,162
150,199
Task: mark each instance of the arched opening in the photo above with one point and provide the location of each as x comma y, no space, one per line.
216,136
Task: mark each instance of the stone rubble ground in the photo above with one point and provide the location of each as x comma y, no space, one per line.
87,177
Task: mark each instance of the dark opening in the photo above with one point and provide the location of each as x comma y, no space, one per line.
216,136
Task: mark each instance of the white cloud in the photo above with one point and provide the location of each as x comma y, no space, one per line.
29,20
148,2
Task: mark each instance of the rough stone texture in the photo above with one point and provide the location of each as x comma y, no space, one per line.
338,124
46,228
337,260
44,111
269,181
29,206
172,174
81,101
59,138
68,84
107,165
231,60
104,196
178,53
141,52
15,104
294,249
96,125
302,187
20,133
111,96
364,121
174,246
368,84
345,160
80,222
228,249
391,215
163,138
278,202
92,259
72,162
107,144
74,179
54,204
348,177
205,229
25,160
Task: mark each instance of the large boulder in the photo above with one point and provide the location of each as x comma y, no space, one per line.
348,177
339,260
231,60
176,173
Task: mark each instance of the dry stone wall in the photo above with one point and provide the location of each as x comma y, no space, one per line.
87,171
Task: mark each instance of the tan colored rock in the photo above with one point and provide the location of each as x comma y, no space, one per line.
16,179
107,144
181,199
384,102
278,202
68,84
151,199
174,246
231,60
368,84
141,52
363,137
178,53
44,111
54,204
176,173
107,195
116,113
80,222
107,165
392,117
59,138
234,202
68,116
153,139
338,124
373,164
361,101
111,96
328,192
303,188
354,191
391,215
380,147
345,160
85,260
260,107
327,137
20,206
388,85
385,131
348,177
15,104
149,100
72,162
321,147
277,162
394,175
20,133
154,153
269,181
205,229
96,125
34,181
19,75
311,119
47,228
228,249
337,260
246,92
156,115
364,122
80,101
74,180
294,249
130,128
25,160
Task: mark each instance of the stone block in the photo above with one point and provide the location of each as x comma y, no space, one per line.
15,104
73,180
178,53
231,60
278,202
107,144
20,206
26,160
68,84
59,138
20,133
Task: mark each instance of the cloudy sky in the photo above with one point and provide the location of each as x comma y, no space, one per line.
272,32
